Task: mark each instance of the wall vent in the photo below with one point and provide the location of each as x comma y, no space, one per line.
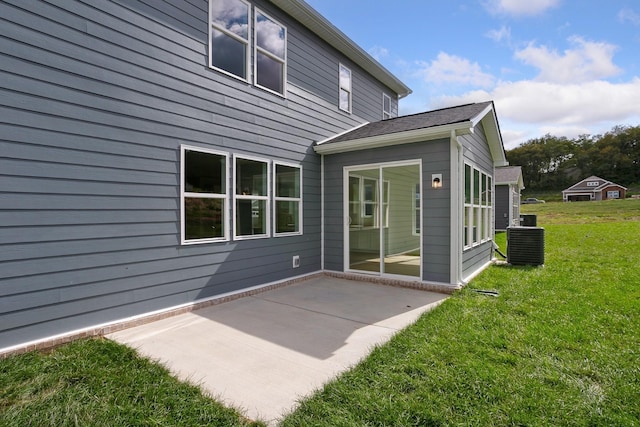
525,245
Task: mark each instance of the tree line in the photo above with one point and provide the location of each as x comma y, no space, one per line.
555,163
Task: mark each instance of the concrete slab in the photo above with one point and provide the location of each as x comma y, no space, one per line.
263,353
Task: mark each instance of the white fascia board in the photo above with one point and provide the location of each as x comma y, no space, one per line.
341,133
398,138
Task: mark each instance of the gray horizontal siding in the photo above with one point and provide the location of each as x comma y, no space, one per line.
436,205
95,100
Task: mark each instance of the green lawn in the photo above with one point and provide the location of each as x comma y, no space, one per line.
559,346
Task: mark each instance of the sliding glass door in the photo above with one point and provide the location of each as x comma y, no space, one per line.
383,230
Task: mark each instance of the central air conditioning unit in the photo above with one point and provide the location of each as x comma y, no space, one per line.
525,245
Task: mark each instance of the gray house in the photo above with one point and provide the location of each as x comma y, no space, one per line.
509,183
160,156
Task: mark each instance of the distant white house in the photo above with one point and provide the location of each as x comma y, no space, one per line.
593,188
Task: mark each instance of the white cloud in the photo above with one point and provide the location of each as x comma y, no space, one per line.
504,33
453,69
629,15
585,62
378,52
520,7
530,109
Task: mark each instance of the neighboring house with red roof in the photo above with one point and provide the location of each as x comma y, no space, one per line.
593,188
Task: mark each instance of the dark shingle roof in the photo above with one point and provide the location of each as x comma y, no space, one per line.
429,119
507,175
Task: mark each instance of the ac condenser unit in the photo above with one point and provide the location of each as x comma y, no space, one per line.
525,245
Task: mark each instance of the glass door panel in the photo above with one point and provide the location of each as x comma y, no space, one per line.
364,220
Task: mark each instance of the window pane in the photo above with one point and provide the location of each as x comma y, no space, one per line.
467,184
287,181
489,191
344,100
251,177
232,15
387,104
204,218
270,36
483,189
345,78
270,73
287,217
228,54
251,217
476,187
204,173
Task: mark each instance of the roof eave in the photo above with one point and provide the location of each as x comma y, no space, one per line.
387,140
489,121
311,19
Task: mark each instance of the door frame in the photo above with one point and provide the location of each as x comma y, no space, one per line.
346,170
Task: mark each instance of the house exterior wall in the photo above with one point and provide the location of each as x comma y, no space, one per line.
477,153
502,207
436,215
621,192
97,99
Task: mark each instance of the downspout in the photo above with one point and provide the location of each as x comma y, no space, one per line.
322,212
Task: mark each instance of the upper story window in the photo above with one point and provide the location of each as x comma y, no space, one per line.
593,183
270,53
204,196
229,40
345,88
386,106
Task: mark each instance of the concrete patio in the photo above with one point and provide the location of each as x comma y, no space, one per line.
263,353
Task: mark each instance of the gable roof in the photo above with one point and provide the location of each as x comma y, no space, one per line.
460,120
582,185
317,23
509,175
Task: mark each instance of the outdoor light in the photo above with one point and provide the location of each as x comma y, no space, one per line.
436,180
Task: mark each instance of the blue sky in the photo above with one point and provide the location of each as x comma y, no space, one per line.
564,67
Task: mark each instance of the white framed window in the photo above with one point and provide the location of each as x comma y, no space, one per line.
270,53
386,106
593,183
229,37
204,199
478,206
345,94
613,194
251,198
287,190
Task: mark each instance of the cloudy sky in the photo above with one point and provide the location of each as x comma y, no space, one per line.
564,67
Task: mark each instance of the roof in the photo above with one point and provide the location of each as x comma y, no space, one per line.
315,22
442,123
582,186
509,175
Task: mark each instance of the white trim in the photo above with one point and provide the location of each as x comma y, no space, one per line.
389,140
322,216
226,237
457,214
386,114
277,199
246,42
340,134
266,198
257,49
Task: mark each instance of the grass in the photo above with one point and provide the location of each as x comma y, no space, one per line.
560,345
100,383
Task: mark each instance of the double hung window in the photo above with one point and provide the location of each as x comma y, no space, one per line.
386,106
288,199
204,195
345,88
231,38
251,197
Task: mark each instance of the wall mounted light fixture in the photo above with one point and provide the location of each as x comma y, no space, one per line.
436,180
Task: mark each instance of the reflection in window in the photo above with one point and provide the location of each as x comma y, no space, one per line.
270,53
478,205
345,88
416,210
228,49
386,106
252,197
288,199
204,198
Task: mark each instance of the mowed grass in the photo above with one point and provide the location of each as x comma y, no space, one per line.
97,382
559,346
